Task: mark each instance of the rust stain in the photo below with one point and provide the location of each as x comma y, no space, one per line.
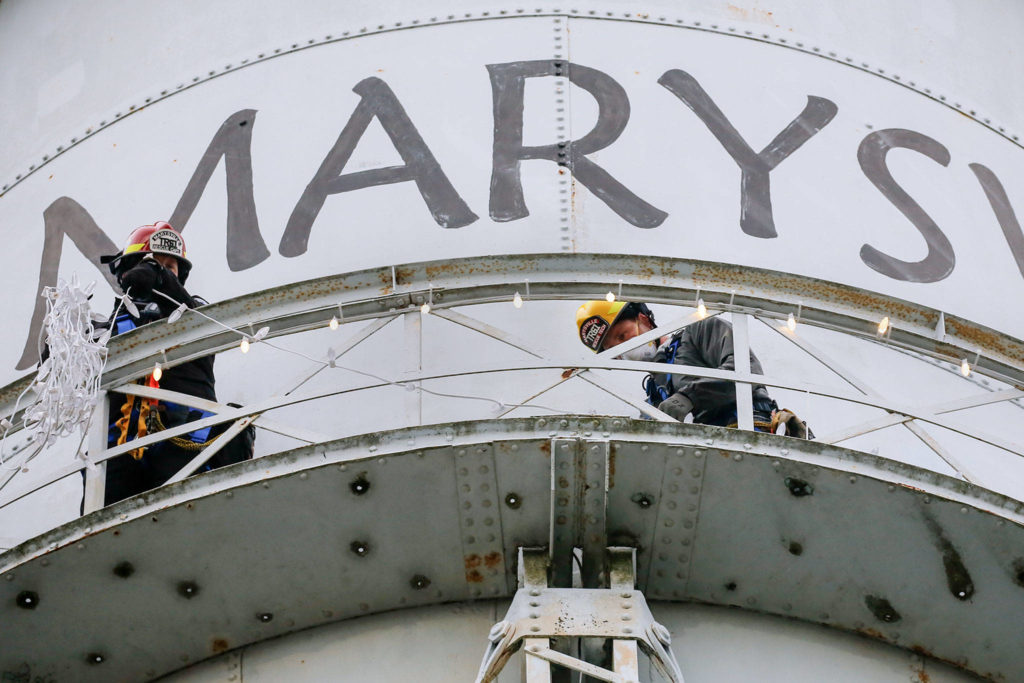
492,560
958,664
545,447
872,633
219,645
473,574
567,373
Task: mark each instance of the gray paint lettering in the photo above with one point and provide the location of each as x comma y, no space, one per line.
378,100
939,261
63,217
1004,212
756,167
244,246
507,87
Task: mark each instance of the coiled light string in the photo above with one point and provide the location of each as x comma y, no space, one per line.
67,383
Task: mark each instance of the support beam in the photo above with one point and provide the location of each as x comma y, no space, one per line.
741,359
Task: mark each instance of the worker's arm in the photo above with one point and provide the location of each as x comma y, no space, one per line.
148,275
708,343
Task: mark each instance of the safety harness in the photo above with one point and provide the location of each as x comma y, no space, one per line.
656,393
141,416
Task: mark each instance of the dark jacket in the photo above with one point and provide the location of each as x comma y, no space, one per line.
195,377
707,343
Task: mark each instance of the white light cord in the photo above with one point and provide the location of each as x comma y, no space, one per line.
409,386
67,383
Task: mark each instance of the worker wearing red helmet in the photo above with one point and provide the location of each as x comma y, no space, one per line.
151,269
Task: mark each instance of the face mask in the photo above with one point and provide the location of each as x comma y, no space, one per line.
644,354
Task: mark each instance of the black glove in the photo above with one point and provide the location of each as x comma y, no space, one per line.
141,278
169,285
677,406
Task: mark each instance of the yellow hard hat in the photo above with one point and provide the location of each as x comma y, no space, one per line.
594,319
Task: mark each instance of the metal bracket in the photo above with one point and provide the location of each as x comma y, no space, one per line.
539,613
579,499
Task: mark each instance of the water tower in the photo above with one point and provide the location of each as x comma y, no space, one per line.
413,199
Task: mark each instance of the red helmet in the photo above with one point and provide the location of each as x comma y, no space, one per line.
159,238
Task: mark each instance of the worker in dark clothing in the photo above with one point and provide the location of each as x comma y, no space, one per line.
706,343
154,262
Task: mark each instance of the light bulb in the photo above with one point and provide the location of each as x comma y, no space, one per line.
791,323
158,372
610,296
244,346
883,325
425,308
702,310
334,323
965,368
517,300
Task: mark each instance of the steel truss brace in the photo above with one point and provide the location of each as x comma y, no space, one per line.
539,613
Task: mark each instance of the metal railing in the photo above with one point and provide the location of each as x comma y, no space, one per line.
381,296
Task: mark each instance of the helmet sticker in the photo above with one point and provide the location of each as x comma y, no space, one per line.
592,331
167,242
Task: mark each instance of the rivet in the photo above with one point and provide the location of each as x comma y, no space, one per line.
27,600
419,582
739,456
188,589
534,592
124,569
853,480
304,476
95,658
265,617
360,548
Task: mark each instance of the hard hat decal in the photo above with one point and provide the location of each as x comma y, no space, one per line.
167,242
592,332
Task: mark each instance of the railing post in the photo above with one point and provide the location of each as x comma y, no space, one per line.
96,474
413,365
741,358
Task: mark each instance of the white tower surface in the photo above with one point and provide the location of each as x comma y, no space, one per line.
397,207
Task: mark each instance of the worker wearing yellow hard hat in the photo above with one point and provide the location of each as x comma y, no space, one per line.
708,343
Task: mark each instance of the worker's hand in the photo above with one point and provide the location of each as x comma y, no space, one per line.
142,278
677,406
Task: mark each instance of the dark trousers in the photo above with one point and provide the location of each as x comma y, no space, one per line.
127,477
